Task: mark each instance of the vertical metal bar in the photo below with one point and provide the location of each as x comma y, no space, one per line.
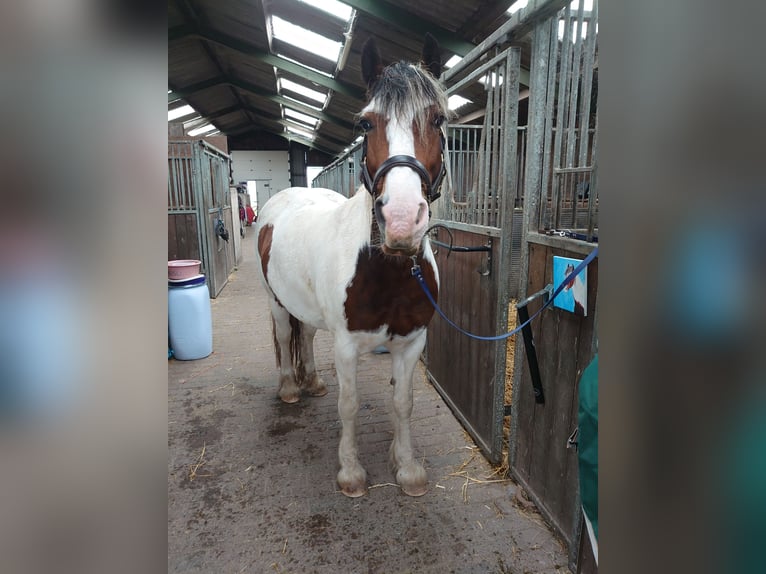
510,114
492,150
593,195
172,176
561,116
538,145
574,88
501,147
522,153
552,54
590,52
201,213
488,138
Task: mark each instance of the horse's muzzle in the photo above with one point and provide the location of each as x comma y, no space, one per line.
399,252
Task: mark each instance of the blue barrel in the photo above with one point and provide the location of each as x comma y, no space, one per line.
190,321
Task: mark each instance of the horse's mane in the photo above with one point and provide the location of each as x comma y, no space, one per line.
404,89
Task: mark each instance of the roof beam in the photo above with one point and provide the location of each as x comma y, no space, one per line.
257,91
284,135
402,19
286,123
237,45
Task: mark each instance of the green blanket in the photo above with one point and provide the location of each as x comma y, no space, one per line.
587,420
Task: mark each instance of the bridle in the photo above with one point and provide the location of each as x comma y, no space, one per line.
432,187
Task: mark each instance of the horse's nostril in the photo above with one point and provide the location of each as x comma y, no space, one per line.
379,203
422,211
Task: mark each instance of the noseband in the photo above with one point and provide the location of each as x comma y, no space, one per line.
432,187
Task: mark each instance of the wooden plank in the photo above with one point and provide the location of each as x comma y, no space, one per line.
562,394
193,249
462,367
546,338
585,352
574,246
564,345
527,410
172,239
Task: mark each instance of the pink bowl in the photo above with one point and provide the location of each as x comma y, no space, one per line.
183,268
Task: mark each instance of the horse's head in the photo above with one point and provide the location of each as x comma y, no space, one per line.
403,151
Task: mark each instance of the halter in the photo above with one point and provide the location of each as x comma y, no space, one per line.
432,187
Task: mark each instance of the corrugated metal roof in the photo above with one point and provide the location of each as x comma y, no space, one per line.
225,63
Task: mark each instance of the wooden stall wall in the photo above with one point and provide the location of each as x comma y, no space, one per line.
461,368
565,345
183,238
198,197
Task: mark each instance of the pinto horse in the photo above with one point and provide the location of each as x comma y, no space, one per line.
345,265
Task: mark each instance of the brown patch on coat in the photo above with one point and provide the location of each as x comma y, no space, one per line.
377,145
428,148
265,236
383,291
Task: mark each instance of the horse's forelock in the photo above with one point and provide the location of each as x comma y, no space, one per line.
408,90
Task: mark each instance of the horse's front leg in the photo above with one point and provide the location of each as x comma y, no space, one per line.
410,474
352,478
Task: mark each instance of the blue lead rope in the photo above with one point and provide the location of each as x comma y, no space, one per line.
419,276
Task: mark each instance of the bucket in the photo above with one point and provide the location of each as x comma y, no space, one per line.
180,269
190,322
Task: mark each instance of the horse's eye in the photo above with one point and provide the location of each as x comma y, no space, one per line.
439,121
365,125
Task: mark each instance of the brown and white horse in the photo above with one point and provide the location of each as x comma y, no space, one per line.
345,264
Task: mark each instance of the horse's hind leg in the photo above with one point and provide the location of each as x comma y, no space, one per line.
283,325
410,474
307,373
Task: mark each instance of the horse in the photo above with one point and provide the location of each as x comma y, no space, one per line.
345,264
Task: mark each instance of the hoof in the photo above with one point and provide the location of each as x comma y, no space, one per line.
353,484
413,480
414,490
317,391
316,388
288,390
354,493
290,398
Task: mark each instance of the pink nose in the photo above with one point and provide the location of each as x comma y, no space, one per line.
405,222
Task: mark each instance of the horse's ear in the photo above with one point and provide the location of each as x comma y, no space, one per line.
431,56
372,65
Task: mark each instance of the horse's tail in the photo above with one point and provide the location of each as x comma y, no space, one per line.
296,355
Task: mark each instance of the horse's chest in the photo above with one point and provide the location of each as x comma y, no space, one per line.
383,292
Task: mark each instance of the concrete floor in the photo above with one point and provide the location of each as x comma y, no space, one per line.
251,481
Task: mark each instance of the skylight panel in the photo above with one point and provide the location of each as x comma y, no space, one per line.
298,116
456,102
202,130
299,102
333,7
180,112
518,5
300,131
452,61
305,39
286,84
